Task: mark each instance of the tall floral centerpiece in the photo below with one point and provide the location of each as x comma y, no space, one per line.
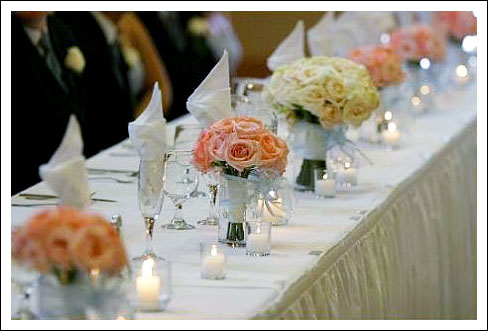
320,96
73,251
423,48
240,148
385,67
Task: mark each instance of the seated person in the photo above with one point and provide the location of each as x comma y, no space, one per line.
120,72
44,93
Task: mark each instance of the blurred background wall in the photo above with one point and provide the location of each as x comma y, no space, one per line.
261,32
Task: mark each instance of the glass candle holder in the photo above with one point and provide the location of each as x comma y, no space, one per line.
258,240
213,261
347,175
391,135
325,183
152,286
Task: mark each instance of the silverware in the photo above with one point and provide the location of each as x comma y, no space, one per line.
33,204
129,173
118,180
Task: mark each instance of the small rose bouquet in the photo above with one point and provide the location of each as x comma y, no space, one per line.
326,90
239,145
66,241
383,63
419,41
457,24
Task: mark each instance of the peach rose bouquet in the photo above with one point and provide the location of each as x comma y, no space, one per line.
457,24
419,41
66,241
383,63
239,145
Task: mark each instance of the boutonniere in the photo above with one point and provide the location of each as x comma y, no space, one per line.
75,60
198,26
131,55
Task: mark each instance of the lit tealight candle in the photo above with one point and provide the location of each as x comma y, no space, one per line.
392,136
388,115
325,187
257,243
462,74
148,286
348,175
213,265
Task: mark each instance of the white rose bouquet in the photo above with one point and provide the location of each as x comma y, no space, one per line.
326,90
320,96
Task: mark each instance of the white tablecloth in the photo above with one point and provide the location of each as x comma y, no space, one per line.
401,246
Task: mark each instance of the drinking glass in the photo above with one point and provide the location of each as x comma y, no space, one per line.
181,180
150,192
186,136
212,180
22,281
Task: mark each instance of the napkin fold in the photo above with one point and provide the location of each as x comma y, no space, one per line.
318,36
290,49
65,173
211,99
148,132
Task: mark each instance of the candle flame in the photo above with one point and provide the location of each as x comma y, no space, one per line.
416,101
213,250
425,89
392,127
147,267
347,165
461,71
325,176
424,63
94,273
388,115
258,229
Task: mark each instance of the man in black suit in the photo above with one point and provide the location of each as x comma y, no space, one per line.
45,93
188,57
108,97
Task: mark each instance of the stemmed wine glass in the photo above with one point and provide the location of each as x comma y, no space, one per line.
150,195
186,136
212,180
181,181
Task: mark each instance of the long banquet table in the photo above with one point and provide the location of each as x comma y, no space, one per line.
402,245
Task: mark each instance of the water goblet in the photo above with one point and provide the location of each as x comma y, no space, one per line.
181,180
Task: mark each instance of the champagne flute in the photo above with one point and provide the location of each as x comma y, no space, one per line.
150,196
181,181
212,180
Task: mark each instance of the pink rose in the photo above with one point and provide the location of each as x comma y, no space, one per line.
242,153
56,244
248,127
274,152
226,125
217,145
35,257
92,248
201,157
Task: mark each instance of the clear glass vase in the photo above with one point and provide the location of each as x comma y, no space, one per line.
309,143
103,298
233,202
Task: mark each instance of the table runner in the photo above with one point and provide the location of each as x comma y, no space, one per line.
402,245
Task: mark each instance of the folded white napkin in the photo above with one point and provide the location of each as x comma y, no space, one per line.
148,132
290,49
211,100
318,36
65,173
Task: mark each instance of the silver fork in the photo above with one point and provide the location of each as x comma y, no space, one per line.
118,180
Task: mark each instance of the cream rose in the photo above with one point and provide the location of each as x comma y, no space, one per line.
75,60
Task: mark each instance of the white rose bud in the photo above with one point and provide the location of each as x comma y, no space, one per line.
75,60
